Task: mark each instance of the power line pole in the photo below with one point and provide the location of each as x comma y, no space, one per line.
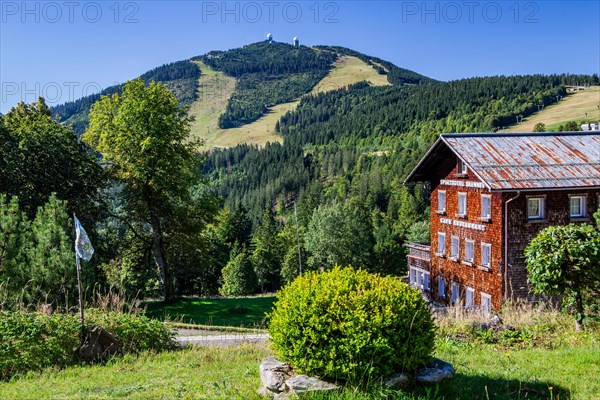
298,238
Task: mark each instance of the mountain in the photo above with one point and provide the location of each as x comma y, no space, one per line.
266,74
319,144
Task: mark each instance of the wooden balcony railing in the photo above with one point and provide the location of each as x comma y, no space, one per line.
419,256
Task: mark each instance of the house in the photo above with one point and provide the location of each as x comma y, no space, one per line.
491,193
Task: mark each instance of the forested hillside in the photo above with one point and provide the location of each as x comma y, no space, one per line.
180,77
268,74
329,137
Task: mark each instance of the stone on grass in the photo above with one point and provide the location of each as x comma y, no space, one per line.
279,381
495,321
397,381
273,374
435,372
302,384
98,343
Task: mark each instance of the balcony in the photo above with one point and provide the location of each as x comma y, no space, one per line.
419,256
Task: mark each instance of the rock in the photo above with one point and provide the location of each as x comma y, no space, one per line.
99,343
495,321
273,374
397,381
264,392
301,384
436,371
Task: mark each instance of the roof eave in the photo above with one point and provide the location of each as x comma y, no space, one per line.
409,178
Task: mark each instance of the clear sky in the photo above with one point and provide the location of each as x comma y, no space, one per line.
65,49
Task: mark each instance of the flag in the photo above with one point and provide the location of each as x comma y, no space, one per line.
83,247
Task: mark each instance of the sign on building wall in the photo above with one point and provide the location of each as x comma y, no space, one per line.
463,224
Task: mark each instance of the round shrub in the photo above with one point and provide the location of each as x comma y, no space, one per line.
351,325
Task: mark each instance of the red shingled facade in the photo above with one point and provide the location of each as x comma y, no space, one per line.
481,280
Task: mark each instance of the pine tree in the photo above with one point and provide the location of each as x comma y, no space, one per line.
239,278
267,251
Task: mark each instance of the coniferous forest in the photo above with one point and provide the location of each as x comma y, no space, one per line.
335,182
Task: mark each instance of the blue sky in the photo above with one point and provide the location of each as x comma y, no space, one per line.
65,49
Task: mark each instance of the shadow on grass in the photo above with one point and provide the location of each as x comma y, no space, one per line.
246,312
462,386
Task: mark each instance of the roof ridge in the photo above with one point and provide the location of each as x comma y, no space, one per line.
508,134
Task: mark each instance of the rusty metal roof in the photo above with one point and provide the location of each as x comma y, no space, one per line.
521,161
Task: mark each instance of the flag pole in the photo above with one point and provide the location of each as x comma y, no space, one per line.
78,263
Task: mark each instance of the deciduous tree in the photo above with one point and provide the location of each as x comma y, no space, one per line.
143,136
565,260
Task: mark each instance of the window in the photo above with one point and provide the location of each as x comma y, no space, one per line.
441,287
486,207
419,278
455,292
470,295
486,254
486,304
577,206
454,249
413,277
535,207
462,204
462,167
441,201
469,251
441,244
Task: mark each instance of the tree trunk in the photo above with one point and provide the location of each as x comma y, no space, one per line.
579,311
159,257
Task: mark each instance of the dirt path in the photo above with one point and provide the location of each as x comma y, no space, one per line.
217,338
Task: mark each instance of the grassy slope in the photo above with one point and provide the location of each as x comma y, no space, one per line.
346,71
237,312
483,372
214,90
571,108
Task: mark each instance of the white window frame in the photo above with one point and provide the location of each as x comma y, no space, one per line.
441,210
489,261
426,281
542,205
462,167
441,287
420,278
464,212
486,216
469,293
469,243
486,303
452,247
441,250
455,293
582,205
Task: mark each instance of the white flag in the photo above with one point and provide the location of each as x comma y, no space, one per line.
83,247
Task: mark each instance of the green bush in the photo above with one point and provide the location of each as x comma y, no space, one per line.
137,332
32,341
351,325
